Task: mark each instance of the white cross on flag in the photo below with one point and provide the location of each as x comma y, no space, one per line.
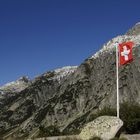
125,52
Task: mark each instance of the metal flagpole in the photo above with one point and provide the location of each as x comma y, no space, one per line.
117,82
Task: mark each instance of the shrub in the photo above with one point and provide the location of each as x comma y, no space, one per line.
130,114
122,138
69,138
95,138
114,138
107,111
49,131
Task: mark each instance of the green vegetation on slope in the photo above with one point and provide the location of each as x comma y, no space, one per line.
129,113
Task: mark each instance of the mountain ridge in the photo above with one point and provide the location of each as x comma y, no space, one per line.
67,101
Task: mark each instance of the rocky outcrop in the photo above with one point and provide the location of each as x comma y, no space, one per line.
104,127
66,97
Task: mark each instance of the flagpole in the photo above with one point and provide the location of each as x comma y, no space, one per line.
117,81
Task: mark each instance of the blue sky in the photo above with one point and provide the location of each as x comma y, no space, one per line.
41,35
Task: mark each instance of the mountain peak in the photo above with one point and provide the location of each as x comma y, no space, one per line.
60,73
16,86
135,30
138,23
24,79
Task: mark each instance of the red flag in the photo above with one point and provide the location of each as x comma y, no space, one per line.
125,52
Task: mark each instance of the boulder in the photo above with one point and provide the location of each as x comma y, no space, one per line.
104,127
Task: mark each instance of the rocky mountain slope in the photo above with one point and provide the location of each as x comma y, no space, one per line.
16,86
66,97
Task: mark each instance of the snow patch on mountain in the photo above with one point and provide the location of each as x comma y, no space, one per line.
63,72
110,46
15,86
138,23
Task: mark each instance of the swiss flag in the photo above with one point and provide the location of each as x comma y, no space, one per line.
125,52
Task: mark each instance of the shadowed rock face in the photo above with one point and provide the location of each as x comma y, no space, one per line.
66,97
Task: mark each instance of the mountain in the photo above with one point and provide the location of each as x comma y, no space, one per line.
16,86
135,30
65,98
